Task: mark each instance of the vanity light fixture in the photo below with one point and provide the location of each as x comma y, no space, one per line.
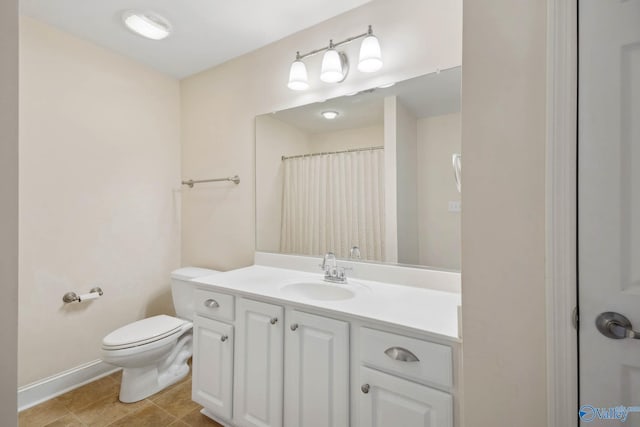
330,115
147,24
335,65
298,79
370,59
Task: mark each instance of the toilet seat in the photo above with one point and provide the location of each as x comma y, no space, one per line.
144,331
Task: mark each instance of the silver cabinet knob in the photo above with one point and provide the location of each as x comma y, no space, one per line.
294,326
273,320
224,338
615,326
365,388
211,303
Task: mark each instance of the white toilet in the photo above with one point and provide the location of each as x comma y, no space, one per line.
153,352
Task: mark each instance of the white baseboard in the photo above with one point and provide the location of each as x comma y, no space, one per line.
48,388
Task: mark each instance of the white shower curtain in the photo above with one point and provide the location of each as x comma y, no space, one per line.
332,202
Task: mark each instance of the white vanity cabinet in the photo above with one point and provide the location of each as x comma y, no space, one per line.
212,377
259,364
295,365
316,371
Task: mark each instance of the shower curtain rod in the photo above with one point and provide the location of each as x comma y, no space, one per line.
332,152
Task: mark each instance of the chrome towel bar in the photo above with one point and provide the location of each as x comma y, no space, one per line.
235,179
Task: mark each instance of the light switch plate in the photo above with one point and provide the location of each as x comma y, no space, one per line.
455,206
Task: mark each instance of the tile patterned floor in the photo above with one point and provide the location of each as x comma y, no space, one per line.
96,405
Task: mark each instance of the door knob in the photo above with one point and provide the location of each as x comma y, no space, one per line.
365,388
615,326
294,326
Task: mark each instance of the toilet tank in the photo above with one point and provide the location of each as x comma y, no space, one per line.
182,289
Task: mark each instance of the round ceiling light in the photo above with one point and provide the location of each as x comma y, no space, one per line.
147,24
330,115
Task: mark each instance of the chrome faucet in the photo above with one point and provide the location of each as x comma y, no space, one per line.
333,273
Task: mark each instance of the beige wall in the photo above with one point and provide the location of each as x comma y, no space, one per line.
99,196
407,184
503,248
390,179
347,139
438,140
8,210
274,138
219,106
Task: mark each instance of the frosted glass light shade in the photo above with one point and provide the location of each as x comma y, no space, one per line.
147,24
370,55
332,71
298,79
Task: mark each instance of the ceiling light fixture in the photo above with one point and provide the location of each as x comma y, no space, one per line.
335,65
147,24
330,115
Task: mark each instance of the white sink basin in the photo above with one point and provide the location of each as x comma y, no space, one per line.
318,291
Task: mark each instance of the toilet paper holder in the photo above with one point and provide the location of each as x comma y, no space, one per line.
73,297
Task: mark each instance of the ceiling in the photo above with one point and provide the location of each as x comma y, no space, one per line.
429,95
205,32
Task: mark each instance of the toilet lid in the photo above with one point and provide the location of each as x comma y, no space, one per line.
143,331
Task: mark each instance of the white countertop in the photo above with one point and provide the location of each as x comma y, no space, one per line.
427,311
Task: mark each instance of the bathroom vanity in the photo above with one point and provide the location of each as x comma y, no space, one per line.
276,346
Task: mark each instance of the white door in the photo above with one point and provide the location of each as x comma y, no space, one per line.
259,365
316,371
212,379
386,400
609,210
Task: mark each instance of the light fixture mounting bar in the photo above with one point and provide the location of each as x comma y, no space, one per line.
334,45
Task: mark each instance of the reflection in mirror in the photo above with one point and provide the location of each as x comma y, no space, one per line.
367,176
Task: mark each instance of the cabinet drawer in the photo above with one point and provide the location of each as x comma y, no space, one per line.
395,353
213,304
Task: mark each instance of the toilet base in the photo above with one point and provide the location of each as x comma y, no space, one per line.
140,383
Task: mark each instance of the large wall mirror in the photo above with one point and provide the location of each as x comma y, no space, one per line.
371,176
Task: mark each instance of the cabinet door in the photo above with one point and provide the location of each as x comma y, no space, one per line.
259,365
316,371
213,365
386,400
